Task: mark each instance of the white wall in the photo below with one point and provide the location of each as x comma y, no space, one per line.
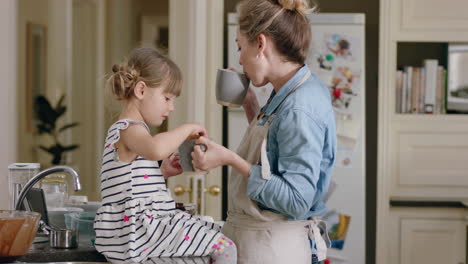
8,41
36,12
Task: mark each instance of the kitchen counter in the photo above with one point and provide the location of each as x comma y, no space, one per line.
44,253
86,252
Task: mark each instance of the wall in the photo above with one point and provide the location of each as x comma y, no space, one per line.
49,13
371,9
8,74
36,12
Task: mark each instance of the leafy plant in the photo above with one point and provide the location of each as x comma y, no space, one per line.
47,117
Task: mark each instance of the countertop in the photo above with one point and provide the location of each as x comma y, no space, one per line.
42,252
87,253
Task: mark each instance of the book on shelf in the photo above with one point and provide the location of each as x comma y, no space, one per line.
421,90
440,106
408,88
415,88
431,84
399,91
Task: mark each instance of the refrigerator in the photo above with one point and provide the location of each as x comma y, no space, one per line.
337,56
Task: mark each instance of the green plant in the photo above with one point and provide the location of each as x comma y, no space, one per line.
47,117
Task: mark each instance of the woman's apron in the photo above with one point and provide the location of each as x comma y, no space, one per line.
262,236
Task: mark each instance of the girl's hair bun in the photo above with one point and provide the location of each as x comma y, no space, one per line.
116,68
123,80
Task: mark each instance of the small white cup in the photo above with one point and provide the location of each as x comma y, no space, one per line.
231,87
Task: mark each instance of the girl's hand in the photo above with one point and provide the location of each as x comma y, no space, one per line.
197,130
215,155
171,166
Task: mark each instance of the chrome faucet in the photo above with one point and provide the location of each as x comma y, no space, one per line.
42,174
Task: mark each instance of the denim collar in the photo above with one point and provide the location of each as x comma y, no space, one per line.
276,98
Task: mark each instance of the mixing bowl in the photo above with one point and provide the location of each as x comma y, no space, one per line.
17,231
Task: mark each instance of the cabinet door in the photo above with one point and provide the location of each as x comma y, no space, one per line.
429,159
430,19
432,241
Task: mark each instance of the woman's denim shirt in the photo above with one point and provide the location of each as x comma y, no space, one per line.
301,148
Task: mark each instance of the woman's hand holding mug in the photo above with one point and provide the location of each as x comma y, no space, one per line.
214,156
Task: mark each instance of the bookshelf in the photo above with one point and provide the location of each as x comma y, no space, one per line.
421,157
420,80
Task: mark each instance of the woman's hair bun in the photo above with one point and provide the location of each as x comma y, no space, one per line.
301,6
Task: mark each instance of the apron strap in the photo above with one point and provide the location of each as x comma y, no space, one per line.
266,174
265,163
319,233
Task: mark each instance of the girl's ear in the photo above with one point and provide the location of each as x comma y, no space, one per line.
139,90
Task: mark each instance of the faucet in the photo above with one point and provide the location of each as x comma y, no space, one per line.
42,174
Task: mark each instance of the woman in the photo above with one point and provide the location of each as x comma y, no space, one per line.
283,165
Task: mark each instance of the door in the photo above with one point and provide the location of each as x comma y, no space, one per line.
195,44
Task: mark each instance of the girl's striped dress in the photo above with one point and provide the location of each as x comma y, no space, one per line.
138,219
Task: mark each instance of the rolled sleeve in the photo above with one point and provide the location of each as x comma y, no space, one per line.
255,182
295,169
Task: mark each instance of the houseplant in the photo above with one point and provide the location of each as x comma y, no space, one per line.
47,117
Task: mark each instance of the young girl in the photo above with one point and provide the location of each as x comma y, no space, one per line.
138,219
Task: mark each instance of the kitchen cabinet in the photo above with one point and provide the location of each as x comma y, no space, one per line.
427,157
421,157
427,235
427,20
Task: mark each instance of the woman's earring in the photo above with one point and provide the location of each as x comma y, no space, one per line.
256,57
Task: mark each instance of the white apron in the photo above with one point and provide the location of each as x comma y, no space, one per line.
262,236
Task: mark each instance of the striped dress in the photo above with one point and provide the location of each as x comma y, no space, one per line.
138,218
